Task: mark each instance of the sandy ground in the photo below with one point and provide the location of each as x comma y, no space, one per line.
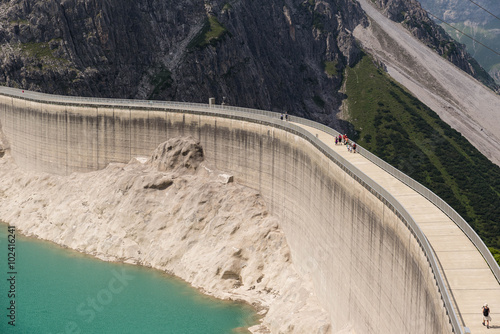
460,100
173,212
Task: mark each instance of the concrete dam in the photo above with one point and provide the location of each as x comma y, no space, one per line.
371,265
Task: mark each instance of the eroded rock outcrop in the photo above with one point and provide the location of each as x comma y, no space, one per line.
170,212
177,155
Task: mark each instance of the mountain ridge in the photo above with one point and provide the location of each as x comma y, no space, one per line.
157,50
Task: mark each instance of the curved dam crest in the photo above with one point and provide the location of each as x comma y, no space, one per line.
366,267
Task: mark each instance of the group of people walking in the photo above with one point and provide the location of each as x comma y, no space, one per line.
351,147
340,140
285,116
343,140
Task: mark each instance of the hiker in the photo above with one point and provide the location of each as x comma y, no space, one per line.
486,315
286,116
281,117
354,147
336,140
340,139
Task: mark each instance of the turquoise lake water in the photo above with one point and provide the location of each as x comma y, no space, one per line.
62,291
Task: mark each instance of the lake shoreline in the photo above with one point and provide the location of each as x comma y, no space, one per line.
64,268
218,237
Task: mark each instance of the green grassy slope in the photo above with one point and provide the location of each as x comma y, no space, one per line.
394,125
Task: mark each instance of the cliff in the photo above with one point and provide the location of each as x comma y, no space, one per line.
286,56
173,212
264,54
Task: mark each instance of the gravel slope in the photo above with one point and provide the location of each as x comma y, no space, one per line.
460,100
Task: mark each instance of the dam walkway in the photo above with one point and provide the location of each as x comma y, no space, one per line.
469,279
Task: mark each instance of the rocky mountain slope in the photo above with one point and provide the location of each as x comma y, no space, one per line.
453,10
288,55
460,100
414,18
264,54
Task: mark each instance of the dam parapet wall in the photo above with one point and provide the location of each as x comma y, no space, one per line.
368,268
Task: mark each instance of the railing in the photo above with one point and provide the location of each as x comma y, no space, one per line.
425,192
272,118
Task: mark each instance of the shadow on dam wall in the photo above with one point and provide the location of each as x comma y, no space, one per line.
366,267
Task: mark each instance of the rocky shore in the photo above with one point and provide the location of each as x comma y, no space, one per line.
174,212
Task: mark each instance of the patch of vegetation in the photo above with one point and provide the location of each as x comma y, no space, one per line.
496,253
427,27
450,49
211,32
318,21
43,55
19,21
162,80
330,68
318,101
227,7
37,50
398,128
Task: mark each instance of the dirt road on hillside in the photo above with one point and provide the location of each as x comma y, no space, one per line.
460,100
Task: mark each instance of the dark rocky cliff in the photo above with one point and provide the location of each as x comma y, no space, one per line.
84,47
286,55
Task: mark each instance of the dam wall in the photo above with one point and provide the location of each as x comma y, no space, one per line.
367,268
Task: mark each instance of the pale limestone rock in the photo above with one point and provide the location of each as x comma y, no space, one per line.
225,178
172,213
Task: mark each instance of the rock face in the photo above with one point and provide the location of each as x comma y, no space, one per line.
177,155
286,55
275,55
172,213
